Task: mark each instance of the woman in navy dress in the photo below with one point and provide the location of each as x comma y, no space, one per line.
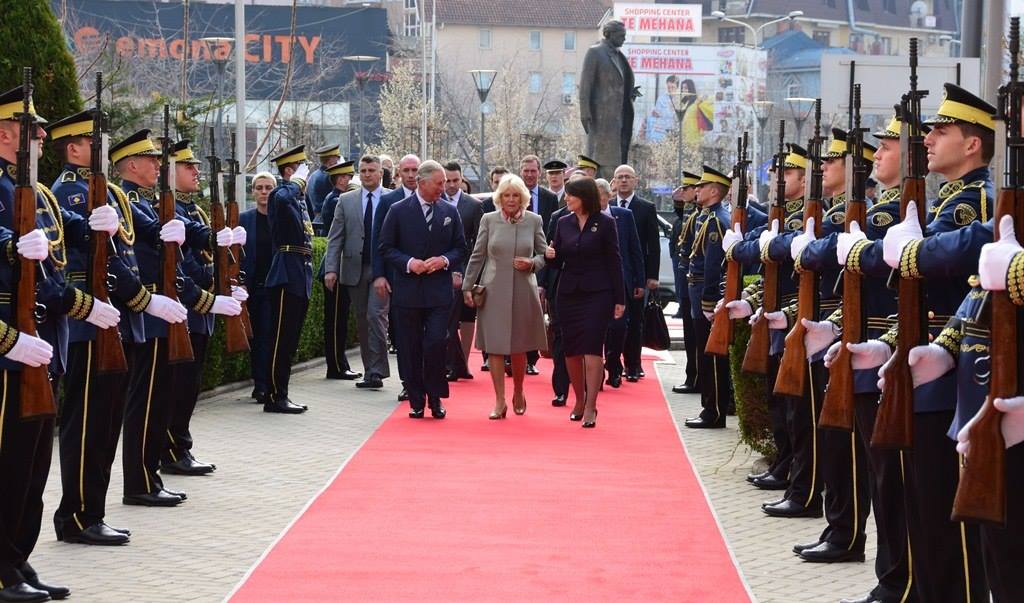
590,290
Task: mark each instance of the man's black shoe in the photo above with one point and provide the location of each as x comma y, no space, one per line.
437,410
614,380
826,552
752,476
284,406
55,592
465,375
371,382
98,534
160,498
186,465
403,396
640,373
257,394
23,592
788,508
799,548
180,495
485,367
346,375
559,400
120,530
451,376
772,503
685,389
699,423
416,414
531,369
770,482
632,377
261,398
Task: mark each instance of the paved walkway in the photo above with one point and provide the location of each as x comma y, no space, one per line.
270,466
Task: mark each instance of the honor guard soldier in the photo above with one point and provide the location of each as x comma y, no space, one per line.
337,302
554,173
685,207
151,398
587,165
794,442
291,273
197,264
705,279
26,443
320,181
946,555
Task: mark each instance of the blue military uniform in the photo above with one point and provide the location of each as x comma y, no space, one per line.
684,223
320,185
337,303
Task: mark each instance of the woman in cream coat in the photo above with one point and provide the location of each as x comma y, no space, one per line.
509,249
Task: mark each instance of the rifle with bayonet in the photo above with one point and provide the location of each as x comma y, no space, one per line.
234,332
759,347
110,356
235,275
36,395
837,408
793,367
981,492
894,425
722,327
179,347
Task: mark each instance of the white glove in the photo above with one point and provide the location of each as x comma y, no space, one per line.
224,238
238,235
995,257
796,246
755,316
846,240
104,219
897,237
739,309
818,336
239,293
166,309
719,304
832,353
870,354
928,363
173,232
34,245
767,236
777,320
731,237
30,350
103,315
226,305
302,172
1012,424
710,316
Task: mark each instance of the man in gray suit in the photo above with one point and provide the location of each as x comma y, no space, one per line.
462,320
607,92
348,263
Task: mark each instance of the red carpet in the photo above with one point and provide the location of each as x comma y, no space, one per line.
532,508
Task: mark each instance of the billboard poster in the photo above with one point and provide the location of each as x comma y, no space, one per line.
717,86
662,20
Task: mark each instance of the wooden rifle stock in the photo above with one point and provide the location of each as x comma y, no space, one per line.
722,328
110,356
179,347
235,265
234,331
894,424
755,360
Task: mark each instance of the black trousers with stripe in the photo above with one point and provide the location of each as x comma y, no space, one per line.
90,425
187,378
713,373
946,554
336,307
1004,546
151,395
777,420
288,313
802,412
25,451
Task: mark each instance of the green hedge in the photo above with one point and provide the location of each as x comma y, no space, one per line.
222,368
750,393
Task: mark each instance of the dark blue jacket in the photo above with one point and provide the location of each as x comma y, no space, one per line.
629,249
378,265
590,258
404,235
198,262
317,189
706,258
292,235
247,220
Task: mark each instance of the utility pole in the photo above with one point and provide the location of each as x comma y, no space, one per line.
995,21
240,187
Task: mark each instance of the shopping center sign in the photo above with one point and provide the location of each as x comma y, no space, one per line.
662,20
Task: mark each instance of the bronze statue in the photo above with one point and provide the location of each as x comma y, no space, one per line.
607,92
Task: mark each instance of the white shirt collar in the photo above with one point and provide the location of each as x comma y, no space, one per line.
376,192
454,200
628,199
407,191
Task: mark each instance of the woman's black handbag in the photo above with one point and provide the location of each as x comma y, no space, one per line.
656,335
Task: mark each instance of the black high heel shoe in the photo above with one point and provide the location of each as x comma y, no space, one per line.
591,423
575,417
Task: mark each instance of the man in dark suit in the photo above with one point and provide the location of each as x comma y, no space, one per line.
543,202
554,173
407,167
422,240
633,276
462,320
646,217
497,173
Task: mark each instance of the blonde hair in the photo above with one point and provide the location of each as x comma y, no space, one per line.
515,183
264,176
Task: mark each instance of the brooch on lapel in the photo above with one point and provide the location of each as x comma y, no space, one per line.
593,229
447,221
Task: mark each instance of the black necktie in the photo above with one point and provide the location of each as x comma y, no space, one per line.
622,203
367,226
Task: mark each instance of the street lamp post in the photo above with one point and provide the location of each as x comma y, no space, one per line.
679,105
762,112
800,115
221,63
361,79
483,79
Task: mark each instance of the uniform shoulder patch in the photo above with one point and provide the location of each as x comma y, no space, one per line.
881,219
713,235
68,177
76,199
794,224
794,205
133,196
964,214
837,217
